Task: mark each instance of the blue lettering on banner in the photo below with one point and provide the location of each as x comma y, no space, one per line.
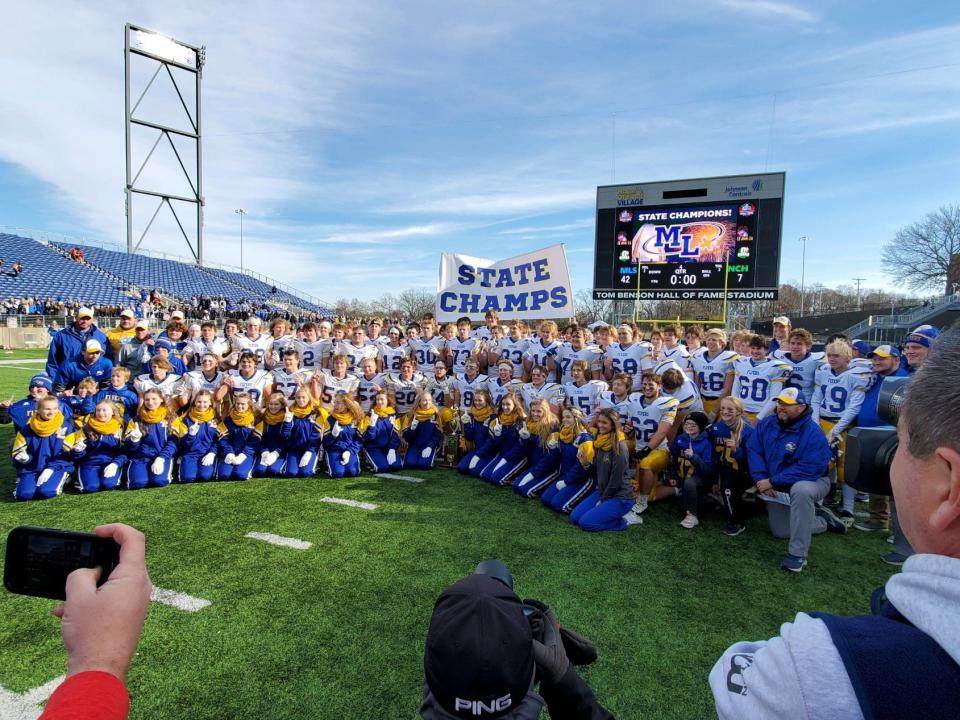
465,275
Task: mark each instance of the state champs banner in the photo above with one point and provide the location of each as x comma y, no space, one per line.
531,286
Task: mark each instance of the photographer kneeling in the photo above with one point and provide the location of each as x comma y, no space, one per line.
486,650
902,660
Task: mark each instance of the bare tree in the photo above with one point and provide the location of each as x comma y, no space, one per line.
920,255
414,302
588,310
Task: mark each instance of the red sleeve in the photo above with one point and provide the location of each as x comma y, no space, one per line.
88,696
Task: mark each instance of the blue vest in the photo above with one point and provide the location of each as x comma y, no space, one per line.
896,670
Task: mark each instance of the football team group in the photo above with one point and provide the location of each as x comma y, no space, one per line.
596,422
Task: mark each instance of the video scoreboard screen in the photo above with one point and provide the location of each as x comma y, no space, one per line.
689,239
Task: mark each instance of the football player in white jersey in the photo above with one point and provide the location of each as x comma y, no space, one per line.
678,385
161,377
374,327
513,348
283,338
693,336
861,349
441,386
490,320
840,389
577,349
462,347
714,370
627,356
207,377
468,384
208,342
803,363
253,341
542,349
393,351
673,350
403,387
539,388
619,397
357,349
369,383
424,352
326,385
311,348
288,378
656,345
651,421
331,346
758,380
248,378
583,392
504,382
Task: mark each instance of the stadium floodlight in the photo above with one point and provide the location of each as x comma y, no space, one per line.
167,53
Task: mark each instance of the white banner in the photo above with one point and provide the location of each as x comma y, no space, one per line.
526,287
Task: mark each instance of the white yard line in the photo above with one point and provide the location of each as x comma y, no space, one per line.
181,601
26,706
408,478
350,503
280,540
24,361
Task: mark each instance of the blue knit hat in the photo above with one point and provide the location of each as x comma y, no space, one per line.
923,335
43,381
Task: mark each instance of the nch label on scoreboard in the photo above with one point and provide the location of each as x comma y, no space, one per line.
689,239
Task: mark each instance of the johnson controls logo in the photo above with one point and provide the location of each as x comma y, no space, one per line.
741,191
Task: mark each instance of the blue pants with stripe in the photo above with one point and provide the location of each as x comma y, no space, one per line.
92,480
413,460
275,470
27,488
565,499
594,515
295,457
191,469
530,484
337,468
243,471
140,474
378,459
501,471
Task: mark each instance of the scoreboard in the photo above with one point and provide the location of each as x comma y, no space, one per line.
689,239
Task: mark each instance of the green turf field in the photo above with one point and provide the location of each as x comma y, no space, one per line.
337,631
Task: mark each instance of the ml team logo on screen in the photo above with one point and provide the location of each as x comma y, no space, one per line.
628,196
703,241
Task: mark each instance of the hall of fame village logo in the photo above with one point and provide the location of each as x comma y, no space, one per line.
629,196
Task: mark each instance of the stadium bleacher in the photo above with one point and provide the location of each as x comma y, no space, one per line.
47,273
262,289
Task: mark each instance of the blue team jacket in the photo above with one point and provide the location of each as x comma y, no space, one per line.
702,463
102,450
159,440
68,344
571,471
124,398
426,434
510,445
732,459
479,434
305,433
788,454
383,436
235,439
22,410
52,451
868,411
204,441
274,437
348,439
73,371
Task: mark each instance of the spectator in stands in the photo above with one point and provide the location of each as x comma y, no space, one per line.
124,331
1,265
54,328
788,457
68,344
17,268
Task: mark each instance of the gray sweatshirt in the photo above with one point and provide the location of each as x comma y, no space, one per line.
799,674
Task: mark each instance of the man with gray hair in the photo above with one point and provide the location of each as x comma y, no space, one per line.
902,660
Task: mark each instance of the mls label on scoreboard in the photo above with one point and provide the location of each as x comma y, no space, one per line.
689,239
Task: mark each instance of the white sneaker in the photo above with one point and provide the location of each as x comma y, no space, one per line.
631,518
640,505
690,521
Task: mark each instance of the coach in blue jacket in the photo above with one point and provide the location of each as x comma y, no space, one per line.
68,344
789,456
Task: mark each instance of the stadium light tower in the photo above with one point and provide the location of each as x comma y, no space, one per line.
241,212
167,53
858,281
803,270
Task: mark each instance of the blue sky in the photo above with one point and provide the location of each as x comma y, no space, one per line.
365,138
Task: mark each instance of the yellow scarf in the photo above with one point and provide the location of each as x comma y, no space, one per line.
45,428
344,418
481,414
422,415
604,441
384,412
242,419
153,417
201,416
533,426
110,427
507,419
567,434
302,412
273,418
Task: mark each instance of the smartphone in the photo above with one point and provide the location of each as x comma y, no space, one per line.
39,559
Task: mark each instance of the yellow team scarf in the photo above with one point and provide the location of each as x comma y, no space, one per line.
242,419
422,415
153,416
481,414
344,418
110,427
272,418
201,416
302,412
45,428
567,434
507,419
384,412
533,426
604,441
